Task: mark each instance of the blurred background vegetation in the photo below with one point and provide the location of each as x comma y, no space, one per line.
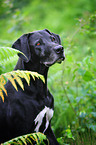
73,83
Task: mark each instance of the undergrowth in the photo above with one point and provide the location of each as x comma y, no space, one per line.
73,83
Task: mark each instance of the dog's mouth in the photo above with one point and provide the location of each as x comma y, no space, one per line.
59,60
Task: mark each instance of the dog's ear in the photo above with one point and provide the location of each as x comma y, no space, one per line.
48,31
55,35
57,38
22,45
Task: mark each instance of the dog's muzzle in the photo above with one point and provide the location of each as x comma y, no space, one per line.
59,50
60,59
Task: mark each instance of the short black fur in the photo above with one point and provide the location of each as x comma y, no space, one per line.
19,110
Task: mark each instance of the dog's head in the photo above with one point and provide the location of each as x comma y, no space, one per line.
40,46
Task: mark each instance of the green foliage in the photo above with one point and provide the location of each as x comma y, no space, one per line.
76,94
73,84
8,58
34,138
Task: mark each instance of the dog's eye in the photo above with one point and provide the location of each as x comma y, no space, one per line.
38,44
53,39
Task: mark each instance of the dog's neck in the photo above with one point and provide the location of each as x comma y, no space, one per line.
36,67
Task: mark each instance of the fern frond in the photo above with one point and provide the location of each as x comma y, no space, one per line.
6,52
38,138
16,76
1,94
8,58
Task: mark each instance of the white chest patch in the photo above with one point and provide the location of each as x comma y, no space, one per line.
39,119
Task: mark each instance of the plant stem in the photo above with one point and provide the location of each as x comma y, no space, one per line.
62,79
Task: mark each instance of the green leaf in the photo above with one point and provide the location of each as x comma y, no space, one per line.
92,126
93,114
81,71
88,76
6,52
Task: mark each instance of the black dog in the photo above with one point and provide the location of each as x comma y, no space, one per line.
31,110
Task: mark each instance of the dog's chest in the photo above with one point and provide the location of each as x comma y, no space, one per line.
48,114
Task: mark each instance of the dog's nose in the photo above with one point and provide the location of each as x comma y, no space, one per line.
63,57
59,49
